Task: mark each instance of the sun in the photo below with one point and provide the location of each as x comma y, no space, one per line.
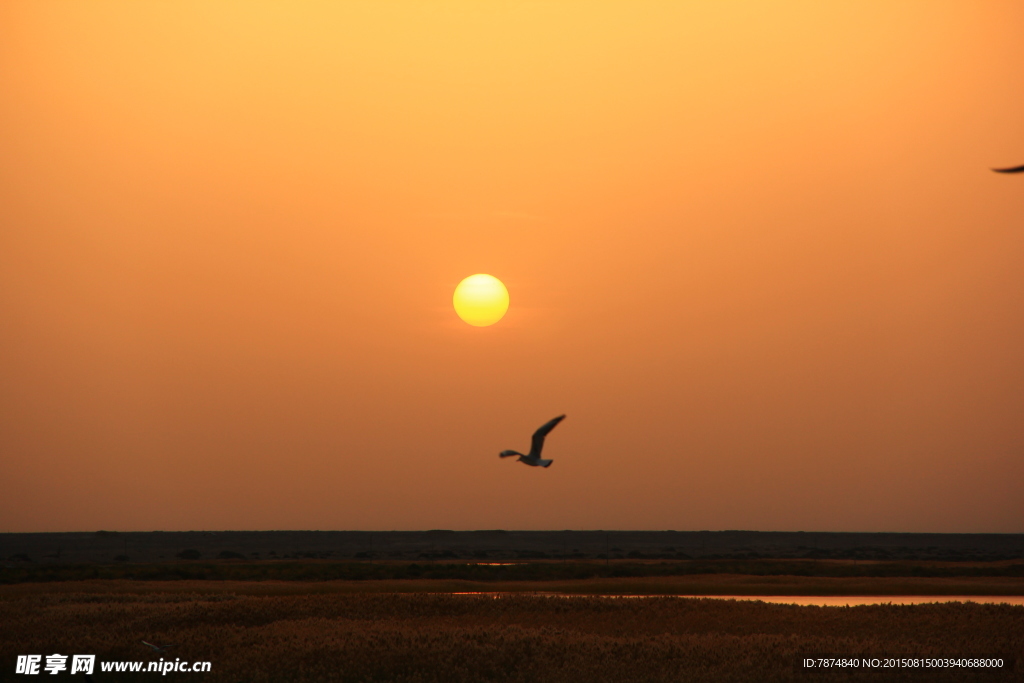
481,300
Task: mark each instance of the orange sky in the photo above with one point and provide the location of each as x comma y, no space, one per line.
753,249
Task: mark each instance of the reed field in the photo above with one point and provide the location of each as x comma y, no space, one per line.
279,631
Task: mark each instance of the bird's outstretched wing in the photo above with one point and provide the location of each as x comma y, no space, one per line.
1015,169
537,443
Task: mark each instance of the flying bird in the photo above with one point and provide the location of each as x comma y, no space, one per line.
1015,169
157,648
536,445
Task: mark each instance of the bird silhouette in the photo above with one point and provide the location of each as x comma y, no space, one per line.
533,458
157,648
1015,169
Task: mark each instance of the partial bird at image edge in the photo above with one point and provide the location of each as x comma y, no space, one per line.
1014,169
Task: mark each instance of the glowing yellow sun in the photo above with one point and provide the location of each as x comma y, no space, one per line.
481,300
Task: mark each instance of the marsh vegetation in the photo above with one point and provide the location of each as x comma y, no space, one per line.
287,632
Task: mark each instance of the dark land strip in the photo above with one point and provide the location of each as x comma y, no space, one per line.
104,547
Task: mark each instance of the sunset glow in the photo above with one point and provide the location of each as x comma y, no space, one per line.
755,250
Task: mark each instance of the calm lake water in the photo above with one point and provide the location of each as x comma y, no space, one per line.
853,600
818,600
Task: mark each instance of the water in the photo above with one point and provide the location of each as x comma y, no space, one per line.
854,600
803,600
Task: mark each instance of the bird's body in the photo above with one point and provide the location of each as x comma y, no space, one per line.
533,458
1014,169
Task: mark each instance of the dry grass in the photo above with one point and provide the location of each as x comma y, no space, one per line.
282,632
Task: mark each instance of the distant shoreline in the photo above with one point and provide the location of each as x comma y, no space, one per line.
703,585
677,577
106,547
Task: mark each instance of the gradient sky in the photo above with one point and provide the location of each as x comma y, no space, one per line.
753,249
